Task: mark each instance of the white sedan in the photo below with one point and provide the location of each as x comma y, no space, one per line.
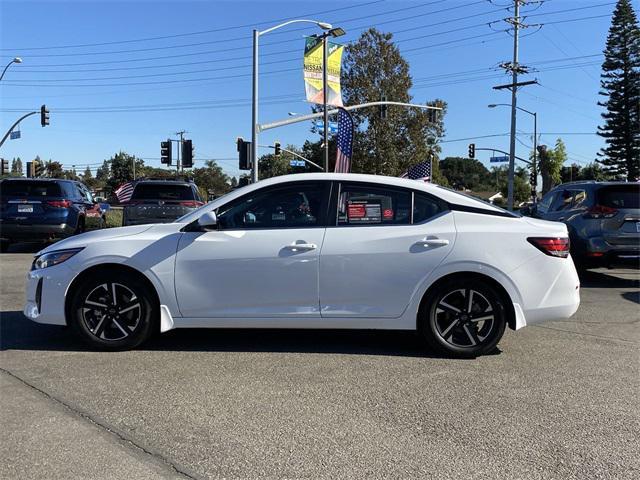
314,251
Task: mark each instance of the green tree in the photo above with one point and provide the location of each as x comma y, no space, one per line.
54,169
122,165
272,166
620,82
521,186
594,171
211,178
16,167
103,172
550,161
374,67
466,173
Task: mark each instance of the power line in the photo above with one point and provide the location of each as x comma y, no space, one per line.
201,32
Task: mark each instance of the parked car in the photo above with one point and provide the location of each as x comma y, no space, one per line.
44,209
160,201
603,219
315,251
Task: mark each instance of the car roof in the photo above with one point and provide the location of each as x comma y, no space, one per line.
161,182
445,194
592,183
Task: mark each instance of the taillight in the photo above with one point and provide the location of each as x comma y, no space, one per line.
555,247
191,203
59,203
600,211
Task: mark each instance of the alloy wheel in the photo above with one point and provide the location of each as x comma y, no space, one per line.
111,311
464,318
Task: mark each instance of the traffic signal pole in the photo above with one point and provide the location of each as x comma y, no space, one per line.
6,135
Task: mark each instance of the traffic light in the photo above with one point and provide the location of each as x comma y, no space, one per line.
4,167
165,152
244,154
432,115
383,108
44,116
187,154
277,149
472,150
533,178
38,168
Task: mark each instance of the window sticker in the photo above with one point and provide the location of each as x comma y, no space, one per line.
364,211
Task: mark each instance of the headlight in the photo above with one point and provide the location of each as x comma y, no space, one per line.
53,258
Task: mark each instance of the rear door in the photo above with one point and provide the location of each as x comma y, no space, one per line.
382,243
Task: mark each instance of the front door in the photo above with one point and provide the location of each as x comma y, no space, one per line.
385,242
263,259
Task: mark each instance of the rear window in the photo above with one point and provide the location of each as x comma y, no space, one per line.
620,196
162,191
28,188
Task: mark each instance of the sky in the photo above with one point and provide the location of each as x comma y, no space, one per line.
111,84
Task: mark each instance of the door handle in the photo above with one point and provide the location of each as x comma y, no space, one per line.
301,247
432,242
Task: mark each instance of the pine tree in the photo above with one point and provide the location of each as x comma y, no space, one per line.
620,83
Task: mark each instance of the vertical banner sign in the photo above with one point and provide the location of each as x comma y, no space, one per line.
313,71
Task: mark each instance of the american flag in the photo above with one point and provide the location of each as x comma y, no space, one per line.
124,192
345,142
421,171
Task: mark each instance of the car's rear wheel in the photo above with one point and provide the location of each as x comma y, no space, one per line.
464,318
113,311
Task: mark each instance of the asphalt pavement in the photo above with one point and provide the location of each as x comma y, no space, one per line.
555,401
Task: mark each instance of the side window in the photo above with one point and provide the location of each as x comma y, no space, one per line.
579,198
373,205
424,207
562,201
545,203
297,206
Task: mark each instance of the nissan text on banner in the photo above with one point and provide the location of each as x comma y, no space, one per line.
313,71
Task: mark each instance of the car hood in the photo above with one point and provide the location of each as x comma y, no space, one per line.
84,239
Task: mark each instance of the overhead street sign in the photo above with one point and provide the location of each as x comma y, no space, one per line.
499,159
297,163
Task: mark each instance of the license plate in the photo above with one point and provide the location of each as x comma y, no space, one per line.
25,208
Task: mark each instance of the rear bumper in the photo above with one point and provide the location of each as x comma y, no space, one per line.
36,232
611,250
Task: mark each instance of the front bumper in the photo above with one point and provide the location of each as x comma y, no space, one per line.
45,294
35,232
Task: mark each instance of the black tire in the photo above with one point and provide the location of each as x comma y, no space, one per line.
80,227
4,245
447,325
101,323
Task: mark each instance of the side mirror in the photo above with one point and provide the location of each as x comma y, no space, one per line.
208,221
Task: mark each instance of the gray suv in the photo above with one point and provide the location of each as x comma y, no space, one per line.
603,219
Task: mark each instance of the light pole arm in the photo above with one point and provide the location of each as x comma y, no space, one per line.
6,135
288,23
303,118
5,68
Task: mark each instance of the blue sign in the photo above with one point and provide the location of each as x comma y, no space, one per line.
499,159
14,135
333,126
297,163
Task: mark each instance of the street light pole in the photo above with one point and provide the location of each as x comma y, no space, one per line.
325,92
15,60
254,110
254,96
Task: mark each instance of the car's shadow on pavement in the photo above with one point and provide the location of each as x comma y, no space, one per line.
19,333
602,279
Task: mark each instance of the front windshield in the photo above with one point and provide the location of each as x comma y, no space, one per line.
195,214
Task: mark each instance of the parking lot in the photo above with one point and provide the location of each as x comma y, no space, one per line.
558,400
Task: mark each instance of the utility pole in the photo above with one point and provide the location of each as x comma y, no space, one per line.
178,166
515,68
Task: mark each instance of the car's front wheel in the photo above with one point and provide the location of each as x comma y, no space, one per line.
113,311
463,318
